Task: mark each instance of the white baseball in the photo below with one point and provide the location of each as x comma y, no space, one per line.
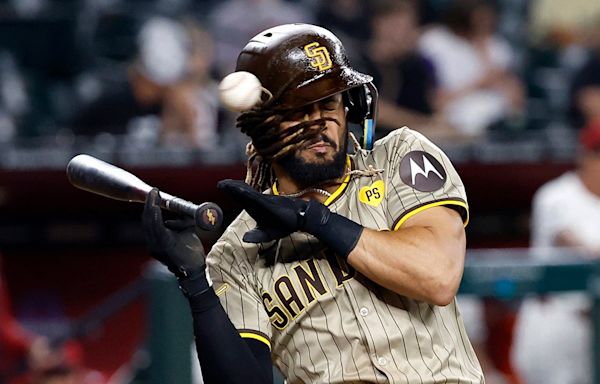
240,91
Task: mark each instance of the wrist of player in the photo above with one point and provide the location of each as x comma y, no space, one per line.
194,283
335,231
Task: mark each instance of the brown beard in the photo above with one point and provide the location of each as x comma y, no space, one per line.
307,174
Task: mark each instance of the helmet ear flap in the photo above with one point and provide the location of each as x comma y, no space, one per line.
361,102
355,99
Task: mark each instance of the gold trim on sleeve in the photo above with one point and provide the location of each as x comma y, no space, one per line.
431,205
222,289
250,335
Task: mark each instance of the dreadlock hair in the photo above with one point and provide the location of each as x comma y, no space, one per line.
270,142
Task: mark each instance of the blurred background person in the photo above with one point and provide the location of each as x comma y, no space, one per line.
28,358
562,25
585,86
234,22
167,95
560,35
347,20
473,65
20,349
405,79
553,333
191,106
490,325
113,67
14,100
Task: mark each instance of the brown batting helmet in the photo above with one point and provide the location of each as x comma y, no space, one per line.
299,64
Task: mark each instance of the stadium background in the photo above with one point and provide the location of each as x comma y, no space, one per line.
65,252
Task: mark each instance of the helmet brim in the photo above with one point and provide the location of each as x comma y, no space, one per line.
324,85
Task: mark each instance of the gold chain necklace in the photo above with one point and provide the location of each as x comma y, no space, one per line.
305,191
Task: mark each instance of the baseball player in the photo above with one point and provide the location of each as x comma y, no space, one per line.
344,265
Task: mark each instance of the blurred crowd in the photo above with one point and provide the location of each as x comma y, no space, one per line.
144,73
28,357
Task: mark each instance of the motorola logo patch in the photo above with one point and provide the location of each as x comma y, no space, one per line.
422,171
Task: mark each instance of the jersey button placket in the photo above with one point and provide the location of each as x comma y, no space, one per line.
364,311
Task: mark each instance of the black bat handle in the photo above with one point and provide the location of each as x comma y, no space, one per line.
208,216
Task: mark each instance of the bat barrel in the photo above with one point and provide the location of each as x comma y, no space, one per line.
97,176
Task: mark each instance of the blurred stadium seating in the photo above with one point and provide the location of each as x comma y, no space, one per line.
69,245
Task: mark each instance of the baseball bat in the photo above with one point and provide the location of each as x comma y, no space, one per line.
94,175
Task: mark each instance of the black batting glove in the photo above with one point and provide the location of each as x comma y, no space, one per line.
279,216
175,244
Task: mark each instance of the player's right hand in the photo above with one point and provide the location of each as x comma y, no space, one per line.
175,243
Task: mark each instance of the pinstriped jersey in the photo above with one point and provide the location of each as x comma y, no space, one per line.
324,321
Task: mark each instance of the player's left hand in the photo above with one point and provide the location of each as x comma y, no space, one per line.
175,243
279,216
276,216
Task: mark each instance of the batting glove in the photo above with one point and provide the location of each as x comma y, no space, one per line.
279,216
175,244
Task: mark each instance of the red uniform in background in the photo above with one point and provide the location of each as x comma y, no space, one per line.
26,358
15,341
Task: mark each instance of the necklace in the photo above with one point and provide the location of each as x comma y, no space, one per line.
305,191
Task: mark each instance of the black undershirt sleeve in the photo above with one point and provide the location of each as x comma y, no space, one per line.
224,356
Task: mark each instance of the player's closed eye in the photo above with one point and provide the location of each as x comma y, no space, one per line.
329,104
